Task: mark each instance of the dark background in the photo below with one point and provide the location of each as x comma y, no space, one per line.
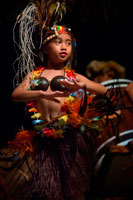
103,29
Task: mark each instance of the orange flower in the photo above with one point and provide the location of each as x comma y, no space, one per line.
74,119
33,110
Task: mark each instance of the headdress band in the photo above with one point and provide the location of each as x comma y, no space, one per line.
56,31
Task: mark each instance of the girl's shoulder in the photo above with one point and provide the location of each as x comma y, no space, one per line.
35,73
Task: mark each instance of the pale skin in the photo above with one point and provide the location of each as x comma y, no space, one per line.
49,102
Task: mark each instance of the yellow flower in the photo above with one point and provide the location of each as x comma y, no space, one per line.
37,115
63,120
70,98
58,133
34,75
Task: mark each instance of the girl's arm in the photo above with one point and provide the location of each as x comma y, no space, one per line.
22,94
91,85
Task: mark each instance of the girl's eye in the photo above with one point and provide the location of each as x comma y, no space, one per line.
68,43
57,41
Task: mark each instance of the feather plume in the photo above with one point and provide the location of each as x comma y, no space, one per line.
56,11
28,21
37,17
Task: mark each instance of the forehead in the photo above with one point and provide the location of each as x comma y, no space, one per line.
64,36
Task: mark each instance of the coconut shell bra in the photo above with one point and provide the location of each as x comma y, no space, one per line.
41,83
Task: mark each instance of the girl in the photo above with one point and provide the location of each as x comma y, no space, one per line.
63,173
63,143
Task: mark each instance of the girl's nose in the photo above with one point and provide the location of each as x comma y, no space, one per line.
63,46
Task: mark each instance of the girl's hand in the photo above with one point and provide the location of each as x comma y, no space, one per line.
73,86
53,94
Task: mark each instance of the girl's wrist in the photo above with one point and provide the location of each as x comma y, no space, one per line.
42,94
83,87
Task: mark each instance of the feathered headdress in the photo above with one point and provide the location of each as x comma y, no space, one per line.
34,21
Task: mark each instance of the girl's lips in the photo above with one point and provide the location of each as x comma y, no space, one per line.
63,54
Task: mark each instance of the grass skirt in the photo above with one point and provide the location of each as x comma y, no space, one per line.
63,167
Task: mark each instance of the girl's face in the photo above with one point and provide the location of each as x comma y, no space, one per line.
59,49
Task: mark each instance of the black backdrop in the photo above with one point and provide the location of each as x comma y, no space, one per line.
103,29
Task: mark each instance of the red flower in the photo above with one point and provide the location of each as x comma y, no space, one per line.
64,108
48,132
31,104
40,68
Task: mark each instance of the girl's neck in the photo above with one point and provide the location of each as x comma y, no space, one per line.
55,66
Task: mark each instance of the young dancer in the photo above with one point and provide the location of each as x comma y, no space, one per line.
62,144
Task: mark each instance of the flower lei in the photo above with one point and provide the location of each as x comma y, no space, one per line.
61,120
69,113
